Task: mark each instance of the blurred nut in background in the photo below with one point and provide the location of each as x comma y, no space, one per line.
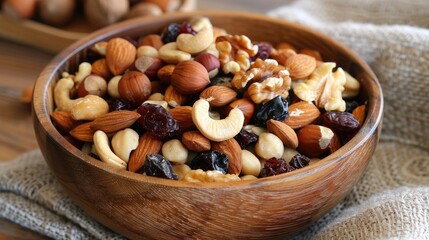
144,9
19,9
56,12
100,13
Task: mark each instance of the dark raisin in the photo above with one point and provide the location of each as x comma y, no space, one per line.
221,80
187,28
158,122
212,160
341,122
170,33
156,166
275,166
299,161
264,51
117,104
350,105
276,108
245,138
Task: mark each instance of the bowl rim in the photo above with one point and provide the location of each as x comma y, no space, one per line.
372,121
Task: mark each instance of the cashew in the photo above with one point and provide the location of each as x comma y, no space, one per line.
62,94
123,142
198,23
216,130
255,129
170,53
100,48
213,50
85,70
101,144
112,86
250,163
147,51
269,146
156,97
89,108
174,151
163,104
195,44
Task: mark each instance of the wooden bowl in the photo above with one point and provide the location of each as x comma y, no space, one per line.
138,206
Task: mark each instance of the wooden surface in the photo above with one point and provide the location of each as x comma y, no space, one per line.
19,67
199,210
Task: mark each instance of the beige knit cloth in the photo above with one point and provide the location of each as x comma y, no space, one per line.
391,201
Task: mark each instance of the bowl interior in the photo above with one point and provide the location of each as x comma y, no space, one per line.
257,28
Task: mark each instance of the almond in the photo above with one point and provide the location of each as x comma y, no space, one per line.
114,121
64,121
300,65
147,145
360,114
100,68
195,141
183,115
174,98
83,132
314,140
120,55
301,114
153,40
218,96
284,132
232,150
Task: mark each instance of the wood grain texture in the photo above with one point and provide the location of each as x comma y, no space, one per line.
137,206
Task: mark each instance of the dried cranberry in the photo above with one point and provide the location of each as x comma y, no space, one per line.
170,33
212,160
342,123
276,108
275,166
299,161
245,138
157,166
264,51
118,104
187,28
158,121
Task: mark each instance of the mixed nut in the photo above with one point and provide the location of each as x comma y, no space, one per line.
197,104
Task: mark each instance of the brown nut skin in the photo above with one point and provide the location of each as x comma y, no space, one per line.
56,12
99,67
134,87
120,55
19,9
165,72
195,141
189,77
245,105
92,84
314,140
209,61
232,150
148,65
183,115
153,40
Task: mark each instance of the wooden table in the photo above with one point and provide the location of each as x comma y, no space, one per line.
19,67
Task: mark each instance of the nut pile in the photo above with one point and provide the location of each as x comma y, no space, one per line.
195,103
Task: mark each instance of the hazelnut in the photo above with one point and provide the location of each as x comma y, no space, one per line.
210,62
92,84
134,87
189,77
144,9
153,40
314,140
100,13
246,106
56,12
19,9
148,65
